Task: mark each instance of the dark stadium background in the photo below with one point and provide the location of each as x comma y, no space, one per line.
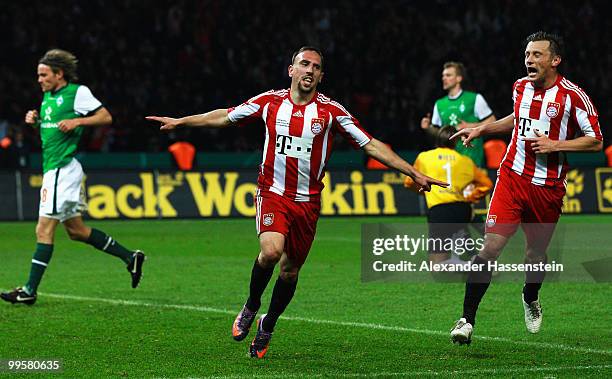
382,59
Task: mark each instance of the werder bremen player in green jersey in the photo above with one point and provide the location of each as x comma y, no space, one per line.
67,108
461,109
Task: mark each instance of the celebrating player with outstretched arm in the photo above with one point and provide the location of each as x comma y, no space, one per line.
300,125
551,116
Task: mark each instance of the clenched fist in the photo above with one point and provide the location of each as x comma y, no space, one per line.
31,117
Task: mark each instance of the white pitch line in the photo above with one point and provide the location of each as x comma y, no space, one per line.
331,322
421,373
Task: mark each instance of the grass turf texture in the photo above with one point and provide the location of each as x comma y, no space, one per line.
178,323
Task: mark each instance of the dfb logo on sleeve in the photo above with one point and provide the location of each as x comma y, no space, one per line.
268,219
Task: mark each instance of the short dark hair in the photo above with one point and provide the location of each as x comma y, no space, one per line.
459,68
63,60
443,137
556,42
307,48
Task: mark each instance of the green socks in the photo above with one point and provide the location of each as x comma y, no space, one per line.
106,243
44,251
40,260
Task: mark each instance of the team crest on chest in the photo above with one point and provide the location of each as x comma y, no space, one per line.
552,109
268,219
60,100
316,125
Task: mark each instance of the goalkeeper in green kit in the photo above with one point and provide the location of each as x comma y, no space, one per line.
67,108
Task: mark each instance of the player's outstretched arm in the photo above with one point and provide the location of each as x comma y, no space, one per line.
213,119
383,153
501,126
464,124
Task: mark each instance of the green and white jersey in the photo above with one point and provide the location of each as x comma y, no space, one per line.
70,101
469,107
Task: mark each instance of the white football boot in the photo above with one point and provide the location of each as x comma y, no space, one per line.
461,333
533,316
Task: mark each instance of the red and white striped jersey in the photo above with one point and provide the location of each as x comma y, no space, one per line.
561,112
298,141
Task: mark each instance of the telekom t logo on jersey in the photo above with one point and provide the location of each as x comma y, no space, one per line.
283,143
292,146
528,126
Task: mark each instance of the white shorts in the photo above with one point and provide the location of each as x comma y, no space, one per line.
62,195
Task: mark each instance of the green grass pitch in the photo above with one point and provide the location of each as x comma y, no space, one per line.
178,323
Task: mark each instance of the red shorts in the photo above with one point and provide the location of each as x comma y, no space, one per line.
516,200
297,221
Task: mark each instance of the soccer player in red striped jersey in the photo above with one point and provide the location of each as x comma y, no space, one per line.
551,116
300,126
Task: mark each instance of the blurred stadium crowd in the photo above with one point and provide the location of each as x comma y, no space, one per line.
383,60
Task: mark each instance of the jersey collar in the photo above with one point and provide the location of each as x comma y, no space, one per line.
456,97
53,93
314,98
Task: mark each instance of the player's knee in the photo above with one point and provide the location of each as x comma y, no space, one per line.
77,234
271,247
493,246
533,255
43,232
289,276
269,255
490,251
